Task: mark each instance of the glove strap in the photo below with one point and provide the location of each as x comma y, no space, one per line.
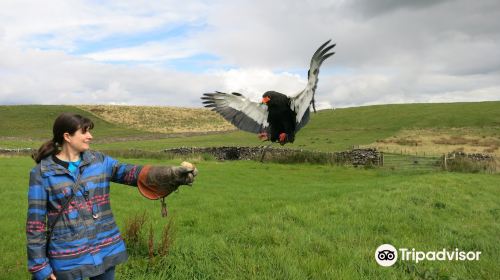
163,207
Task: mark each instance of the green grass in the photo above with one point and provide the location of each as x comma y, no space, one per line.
295,221
33,123
328,130
341,128
292,222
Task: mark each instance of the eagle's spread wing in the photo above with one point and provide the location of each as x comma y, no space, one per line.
303,121
301,101
239,110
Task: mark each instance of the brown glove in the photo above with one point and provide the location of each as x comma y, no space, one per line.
156,182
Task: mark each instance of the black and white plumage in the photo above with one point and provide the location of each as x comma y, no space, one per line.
279,116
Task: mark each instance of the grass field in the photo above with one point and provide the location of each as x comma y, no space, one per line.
292,222
247,220
440,141
389,127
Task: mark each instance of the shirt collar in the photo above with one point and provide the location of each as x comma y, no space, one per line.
48,166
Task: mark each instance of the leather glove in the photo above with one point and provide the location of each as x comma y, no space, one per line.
159,181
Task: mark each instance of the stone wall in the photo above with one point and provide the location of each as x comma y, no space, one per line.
21,151
361,157
462,162
354,157
474,157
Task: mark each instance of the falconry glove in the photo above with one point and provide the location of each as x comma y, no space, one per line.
157,182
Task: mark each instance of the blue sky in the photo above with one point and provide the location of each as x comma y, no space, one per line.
170,52
124,40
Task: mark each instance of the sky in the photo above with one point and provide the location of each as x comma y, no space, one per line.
168,53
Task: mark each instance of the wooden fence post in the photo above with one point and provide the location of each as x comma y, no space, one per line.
445,163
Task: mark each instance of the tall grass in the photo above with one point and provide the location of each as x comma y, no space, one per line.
139,235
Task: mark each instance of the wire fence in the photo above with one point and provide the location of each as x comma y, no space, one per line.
458,162
470,163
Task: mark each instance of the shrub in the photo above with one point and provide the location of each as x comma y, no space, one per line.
468,163
142,245
133,229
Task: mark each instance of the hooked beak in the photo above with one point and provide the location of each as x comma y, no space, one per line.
265,100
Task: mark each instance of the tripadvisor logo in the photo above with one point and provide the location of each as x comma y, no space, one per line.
387,255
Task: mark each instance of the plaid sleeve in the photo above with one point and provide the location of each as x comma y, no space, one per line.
123,173
38,263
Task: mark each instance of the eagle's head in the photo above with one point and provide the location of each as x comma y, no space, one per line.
266,98
271,98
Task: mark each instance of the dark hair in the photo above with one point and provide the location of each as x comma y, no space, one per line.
65,122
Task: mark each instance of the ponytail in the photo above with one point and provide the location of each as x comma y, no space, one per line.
47,149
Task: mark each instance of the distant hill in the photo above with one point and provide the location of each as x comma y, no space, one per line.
161,119
435,128
35,122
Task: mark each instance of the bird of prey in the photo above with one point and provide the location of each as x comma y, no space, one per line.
278,117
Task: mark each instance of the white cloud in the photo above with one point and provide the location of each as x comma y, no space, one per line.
156,51
56,78
63,24
253,82
387,52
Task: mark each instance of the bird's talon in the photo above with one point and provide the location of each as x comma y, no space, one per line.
263,136
283,138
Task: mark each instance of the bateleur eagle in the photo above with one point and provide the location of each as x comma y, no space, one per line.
278,117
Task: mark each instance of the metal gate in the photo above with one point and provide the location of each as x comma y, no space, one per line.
411,162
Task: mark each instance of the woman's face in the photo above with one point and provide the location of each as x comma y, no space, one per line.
79,141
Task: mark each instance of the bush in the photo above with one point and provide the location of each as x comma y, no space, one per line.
301,157
461,163
141,245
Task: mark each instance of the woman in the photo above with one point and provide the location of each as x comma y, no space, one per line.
70,227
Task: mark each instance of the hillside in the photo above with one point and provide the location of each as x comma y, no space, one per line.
35,122
431,128
160,119
24,126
